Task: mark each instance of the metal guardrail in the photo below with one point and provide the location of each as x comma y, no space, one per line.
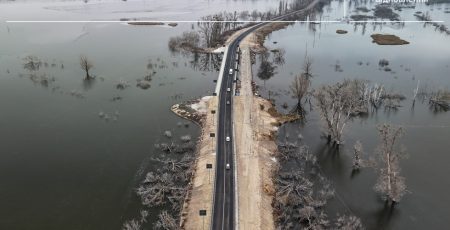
221,72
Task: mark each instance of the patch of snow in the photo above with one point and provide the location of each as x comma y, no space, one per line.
219,50
202,105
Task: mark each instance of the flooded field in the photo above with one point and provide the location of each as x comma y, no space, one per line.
110,10
353,55
73,151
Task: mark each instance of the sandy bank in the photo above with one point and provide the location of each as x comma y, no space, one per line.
200,196
255,122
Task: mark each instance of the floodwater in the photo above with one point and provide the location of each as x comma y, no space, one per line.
62,165
110,10
353,55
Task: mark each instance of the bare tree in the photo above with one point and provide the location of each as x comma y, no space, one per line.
86,65
348,223
307,68
299,198
188,41
167,186
166,222
357,153
337,104
132,225
32,63
390,183
373,95
440,100
301,83
299,88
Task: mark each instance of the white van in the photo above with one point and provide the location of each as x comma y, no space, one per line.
231,71
227,139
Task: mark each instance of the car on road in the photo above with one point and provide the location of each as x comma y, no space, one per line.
228,89
231,71
227,166
228,102
227,139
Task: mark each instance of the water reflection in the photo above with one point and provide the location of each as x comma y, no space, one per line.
88,83
385,214
205,61
426,124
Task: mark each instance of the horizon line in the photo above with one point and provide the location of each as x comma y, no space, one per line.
196,21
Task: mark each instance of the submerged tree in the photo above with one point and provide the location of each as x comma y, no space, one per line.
299,88
390,184
166,222
32,63
307,68
131,225
338,103
167,186
440,100
136,224
357,153
348,223
300,85
86,65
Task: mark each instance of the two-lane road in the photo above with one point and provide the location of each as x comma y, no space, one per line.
223,216
224,198
224,187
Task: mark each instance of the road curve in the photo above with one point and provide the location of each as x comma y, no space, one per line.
223,216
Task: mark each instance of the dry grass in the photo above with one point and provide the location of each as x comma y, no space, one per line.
282,118
388,39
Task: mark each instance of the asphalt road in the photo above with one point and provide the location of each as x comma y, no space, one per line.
224,198
223,216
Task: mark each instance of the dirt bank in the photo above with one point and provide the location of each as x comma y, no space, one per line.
202,184
263,32
255,122
194,110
